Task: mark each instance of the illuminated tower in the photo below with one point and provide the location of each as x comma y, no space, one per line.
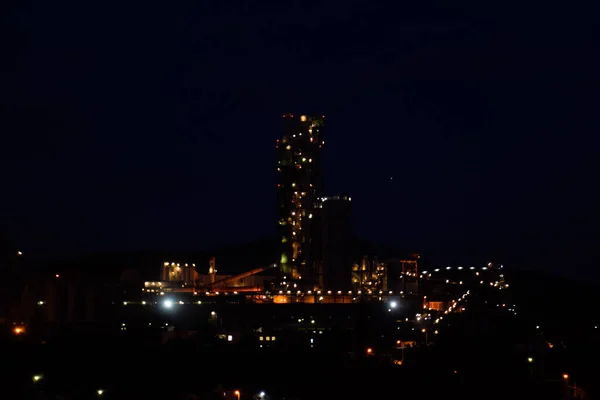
299,187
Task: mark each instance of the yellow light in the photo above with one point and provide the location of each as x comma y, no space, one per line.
36,378
20,253
100,392
369,350
18,330
303,118
565,376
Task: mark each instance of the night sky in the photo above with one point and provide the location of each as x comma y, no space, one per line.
132,126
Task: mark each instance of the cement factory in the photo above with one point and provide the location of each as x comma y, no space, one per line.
312,288
315,233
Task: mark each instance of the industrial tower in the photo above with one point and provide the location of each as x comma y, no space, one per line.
299,186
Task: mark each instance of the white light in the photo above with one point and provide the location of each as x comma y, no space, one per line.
213,313
261,394
393,304
100,392
168,303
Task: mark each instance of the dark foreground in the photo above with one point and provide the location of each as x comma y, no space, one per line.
456,367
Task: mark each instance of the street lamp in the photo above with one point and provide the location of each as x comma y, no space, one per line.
566,378
237,394
530,361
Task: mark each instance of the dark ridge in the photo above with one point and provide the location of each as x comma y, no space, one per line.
229,260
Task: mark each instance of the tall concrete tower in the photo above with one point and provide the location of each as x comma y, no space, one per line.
300,184
335,251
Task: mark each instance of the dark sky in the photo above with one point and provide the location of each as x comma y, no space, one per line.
131,126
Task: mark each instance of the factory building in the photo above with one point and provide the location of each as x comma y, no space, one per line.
184,273
335,251
299,186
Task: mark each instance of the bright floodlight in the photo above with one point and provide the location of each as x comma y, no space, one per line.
393,304
168,303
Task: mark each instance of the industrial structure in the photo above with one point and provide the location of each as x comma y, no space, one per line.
300,184
315,264
316,243
335,241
